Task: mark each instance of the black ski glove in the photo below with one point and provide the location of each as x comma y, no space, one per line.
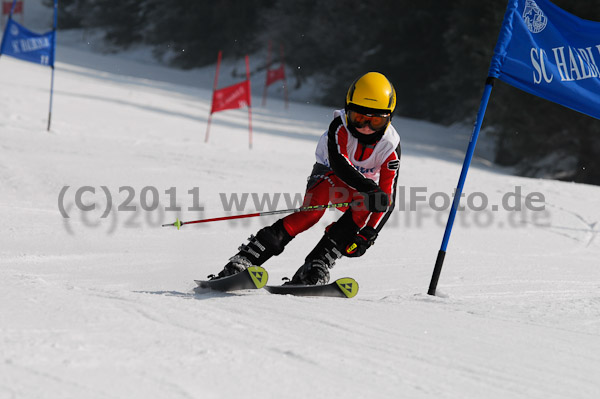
363,240
376,200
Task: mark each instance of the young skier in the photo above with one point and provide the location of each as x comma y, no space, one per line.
358,160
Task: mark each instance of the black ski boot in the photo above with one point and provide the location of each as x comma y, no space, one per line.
315,270
269,241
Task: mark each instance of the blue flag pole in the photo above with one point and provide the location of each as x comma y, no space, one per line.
489,84
12,9
53,53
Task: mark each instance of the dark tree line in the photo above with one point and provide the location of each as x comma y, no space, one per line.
187,33
436,53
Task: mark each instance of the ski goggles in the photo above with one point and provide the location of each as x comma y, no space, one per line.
375,122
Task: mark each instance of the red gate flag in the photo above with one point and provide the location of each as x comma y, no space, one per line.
6,6
231,97
273,75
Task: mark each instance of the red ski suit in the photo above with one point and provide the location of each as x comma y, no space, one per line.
345,168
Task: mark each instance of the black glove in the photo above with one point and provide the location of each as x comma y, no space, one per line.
363,240
376,200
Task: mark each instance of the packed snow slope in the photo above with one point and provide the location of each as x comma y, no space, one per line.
100,304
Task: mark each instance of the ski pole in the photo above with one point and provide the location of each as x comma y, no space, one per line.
179,223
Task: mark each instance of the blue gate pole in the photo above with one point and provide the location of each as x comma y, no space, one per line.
437,270
51,92
53,59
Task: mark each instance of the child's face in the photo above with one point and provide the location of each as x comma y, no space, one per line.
365,130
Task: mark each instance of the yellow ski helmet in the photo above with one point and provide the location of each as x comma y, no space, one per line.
372,93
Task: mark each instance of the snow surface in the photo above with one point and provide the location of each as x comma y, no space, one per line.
94,307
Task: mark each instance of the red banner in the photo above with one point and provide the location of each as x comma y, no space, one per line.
231,97
6,5
273,75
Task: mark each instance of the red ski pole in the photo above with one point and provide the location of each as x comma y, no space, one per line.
179,223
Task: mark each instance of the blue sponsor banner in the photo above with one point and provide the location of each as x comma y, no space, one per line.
21,43
550,53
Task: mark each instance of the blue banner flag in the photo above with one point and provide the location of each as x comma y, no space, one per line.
21,43
550,53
